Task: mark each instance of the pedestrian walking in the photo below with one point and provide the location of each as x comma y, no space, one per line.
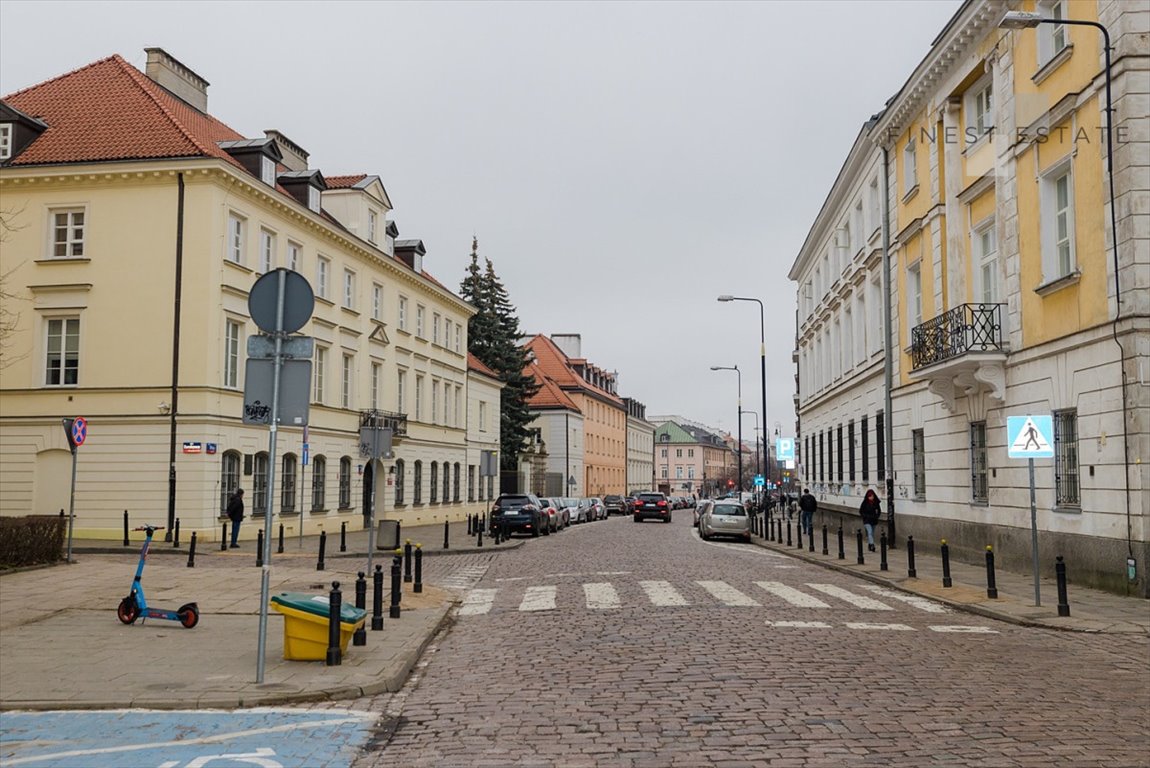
807,505
235,512
870,509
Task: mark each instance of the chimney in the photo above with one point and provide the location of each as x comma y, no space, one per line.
294,156
167,72
570,343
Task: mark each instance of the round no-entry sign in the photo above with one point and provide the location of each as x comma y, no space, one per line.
79,431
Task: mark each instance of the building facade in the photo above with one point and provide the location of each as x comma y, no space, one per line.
560,425
640,448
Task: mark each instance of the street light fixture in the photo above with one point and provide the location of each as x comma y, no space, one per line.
762,346
735,368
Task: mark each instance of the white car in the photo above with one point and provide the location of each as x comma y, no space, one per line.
557,515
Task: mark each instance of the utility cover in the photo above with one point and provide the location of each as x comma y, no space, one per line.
295,381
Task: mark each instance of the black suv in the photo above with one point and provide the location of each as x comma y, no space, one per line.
615,505
652,505
514,512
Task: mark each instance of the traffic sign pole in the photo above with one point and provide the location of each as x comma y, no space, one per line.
1034,535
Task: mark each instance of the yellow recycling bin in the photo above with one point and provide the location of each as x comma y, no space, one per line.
306,624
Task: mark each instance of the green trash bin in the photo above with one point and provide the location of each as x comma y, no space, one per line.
306,624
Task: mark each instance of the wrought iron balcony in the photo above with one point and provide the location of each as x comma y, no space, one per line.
966,328
396,422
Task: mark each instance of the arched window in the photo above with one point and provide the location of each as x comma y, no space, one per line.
455,483
318,468
288,481
345,482
434,483
229,477
446,497
417,483
399,466
259,484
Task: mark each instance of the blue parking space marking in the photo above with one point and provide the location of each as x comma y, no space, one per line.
259,738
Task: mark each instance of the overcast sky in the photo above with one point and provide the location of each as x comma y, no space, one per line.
622,164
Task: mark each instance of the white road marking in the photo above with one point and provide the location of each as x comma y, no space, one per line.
727,594
963,628
514,578
477,601
867,625
538,599
792,595
859,601
922,603
799,624
601,596
661,593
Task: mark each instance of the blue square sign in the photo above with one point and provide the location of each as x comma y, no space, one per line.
1030,437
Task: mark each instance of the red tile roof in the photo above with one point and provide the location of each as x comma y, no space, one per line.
549,395
555,364
109,110
475,364
344,182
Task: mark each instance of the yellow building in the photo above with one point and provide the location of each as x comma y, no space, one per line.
135,225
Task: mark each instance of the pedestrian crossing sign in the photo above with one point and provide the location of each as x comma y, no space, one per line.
1029,437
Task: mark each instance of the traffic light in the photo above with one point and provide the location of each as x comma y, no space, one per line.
730,483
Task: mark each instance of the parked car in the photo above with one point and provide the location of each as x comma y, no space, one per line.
615,505
597,511
701,507
580,510
518,512
557,517
630,501
725,518
569,508
652,505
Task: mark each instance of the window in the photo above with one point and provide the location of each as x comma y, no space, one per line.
229,477
322,269
691,472
909,167
318,468
287,483
5,141
875,206
232,334
1067,492
458,337
62,364
376,376
376,301
349,289
259,484
663,469
313,198
455,483
419,313
237,228
483,417
401,392
978,485
918,447
267,170
678,453
865,450
419,398
399,482
913,296
317,375
267,251
1051,37
345,483
458,401
879,446
1058,259
678,471
858,237
417,483
446,403
434,402
402,309
985,255
446,331
446,483
372,222
662,453
470,482
851,451
68,233
294,252
435,328
979,111
690,453
822,460
840,452
345,382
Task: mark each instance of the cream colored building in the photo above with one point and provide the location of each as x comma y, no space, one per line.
483,392
131,249
640,448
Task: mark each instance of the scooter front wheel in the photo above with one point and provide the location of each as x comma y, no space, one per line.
189,615
128,611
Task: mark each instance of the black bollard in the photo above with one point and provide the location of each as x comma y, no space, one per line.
1063,598
343,536
946,582
991,584
260,548
396,575
858,537
788,533
483,523
280,548
126,528
770,528
334,608
322,548
407,562
826,551
779,533
911,573
798,536
446,534
470,525
842,550
418,569
224,537
479,538
192,552
377,599
360,636
882,564
497,535
176,534
811,539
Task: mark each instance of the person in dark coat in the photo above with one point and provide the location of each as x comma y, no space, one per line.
807,506
235,512
870,509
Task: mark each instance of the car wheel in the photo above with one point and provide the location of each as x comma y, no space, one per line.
638,519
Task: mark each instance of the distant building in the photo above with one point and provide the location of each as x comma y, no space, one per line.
640,447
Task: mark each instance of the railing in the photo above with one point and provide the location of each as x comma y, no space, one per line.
967,327
396,422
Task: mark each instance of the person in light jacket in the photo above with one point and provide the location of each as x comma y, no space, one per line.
870,509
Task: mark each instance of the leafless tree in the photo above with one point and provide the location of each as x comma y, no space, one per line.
9,298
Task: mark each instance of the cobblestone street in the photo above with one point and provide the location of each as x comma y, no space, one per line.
640,645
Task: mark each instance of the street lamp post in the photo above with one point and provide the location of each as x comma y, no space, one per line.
735,368
762,347
758,456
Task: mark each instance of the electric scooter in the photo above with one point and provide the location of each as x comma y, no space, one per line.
135,606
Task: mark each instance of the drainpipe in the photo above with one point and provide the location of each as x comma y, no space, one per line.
888,350
175,357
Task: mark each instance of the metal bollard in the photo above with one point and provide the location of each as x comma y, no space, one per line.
280,548
418,569
446,534
407,562
483,523
322,549
798,536
192,552
911,573
882,564
946,581
343,536
470,525
858,538
770,528
377,599
826,551
788,533
779,534
811,539
842,551
991,584
1063,599
224,537
125,527
360,636
396,567
479,538
176,534
260,548
334,608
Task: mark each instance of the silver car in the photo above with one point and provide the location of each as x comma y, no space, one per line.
726,518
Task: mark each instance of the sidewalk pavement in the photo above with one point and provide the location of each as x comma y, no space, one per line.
63,648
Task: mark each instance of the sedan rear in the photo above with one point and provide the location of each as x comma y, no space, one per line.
726,518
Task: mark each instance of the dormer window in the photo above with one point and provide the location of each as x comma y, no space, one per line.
372,220
5,141
257,156
267,170
313,198
305,186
